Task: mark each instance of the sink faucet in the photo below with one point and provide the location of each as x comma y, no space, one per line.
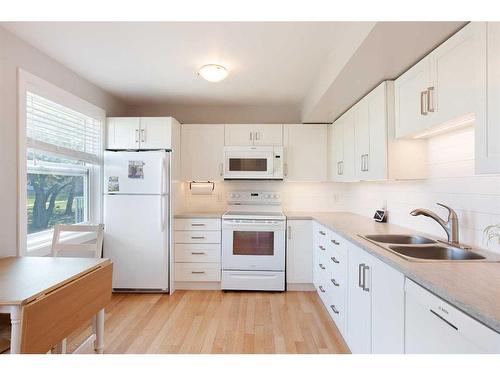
450,226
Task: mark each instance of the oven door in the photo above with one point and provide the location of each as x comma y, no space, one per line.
248,163
253,245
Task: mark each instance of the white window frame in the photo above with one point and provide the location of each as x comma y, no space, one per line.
40,245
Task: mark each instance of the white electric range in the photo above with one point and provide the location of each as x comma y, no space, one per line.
253,242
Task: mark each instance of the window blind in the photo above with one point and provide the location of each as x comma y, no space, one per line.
54,128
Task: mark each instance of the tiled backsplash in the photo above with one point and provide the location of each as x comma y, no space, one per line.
476,198
296,196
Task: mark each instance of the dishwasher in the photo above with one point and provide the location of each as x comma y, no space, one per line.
432,326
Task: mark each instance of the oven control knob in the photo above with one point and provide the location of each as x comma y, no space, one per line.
275,196
268,196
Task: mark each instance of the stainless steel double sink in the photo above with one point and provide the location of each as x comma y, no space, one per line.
418,248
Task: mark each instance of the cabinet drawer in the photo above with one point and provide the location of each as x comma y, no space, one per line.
194,236
338,243
197,224
197,271
337,263
197,253
320,235
336,309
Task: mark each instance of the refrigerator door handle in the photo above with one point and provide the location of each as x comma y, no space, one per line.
162,172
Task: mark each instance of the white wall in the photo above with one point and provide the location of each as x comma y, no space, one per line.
451,181
296,196
14,54
221,114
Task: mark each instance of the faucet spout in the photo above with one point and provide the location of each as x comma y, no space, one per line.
450,225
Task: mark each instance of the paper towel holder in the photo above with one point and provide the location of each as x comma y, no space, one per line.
204,182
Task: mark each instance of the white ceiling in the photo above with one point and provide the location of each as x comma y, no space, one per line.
269,63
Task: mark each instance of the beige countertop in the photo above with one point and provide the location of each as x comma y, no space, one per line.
473,287
199,215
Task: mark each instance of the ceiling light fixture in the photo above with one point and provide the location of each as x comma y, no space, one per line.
213,72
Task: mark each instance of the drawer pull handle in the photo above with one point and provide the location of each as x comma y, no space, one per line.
334,260
322,233
321,288
322,247
322,266
335,242
197,237
197,272
197,225
334,282
197,253
335,311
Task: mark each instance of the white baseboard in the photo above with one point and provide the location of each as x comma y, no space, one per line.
191,285
303,287
197,285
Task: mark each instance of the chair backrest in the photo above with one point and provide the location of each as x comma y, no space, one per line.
95,248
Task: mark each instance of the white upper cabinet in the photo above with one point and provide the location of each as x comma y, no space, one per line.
239,135
362,145
305,152
202,152
446,87
488,136
254,135
459,76
411,98
155,133
268,135
123,133
141,133
370,128
342,141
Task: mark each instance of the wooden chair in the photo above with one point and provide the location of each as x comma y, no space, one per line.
4,332
94,249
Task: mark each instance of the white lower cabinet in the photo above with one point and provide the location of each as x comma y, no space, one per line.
197,253
435,327
359,302
379,311
375,313
330,273
299,242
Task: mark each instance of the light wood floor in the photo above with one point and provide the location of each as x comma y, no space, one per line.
218,322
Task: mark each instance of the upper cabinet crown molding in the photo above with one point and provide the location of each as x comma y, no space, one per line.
253,135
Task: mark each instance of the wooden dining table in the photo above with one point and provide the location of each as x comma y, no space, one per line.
49,298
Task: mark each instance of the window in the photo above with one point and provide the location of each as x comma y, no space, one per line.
63,153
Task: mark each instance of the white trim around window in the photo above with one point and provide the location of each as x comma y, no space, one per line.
28,82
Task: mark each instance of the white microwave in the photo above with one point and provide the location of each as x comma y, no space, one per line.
253,163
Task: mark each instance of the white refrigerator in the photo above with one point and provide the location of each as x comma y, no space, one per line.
136,215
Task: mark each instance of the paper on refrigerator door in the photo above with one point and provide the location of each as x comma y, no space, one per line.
113,184
135,169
